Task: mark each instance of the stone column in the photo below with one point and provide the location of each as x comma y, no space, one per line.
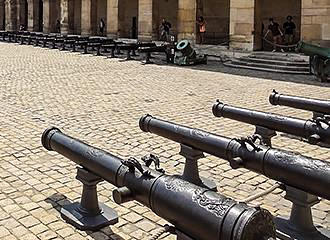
145,20
2,14
46,16
64,16
241,28
112,18
11,15
315,22
86,17
187,19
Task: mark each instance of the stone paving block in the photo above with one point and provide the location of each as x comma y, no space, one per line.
99,101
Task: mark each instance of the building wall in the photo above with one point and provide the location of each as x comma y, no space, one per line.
2,14
216,14
163,9
245,17
316,21
127,9
278,10
242,24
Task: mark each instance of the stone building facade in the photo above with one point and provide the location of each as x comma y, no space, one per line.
239,20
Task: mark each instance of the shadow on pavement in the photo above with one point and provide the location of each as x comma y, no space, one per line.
58,200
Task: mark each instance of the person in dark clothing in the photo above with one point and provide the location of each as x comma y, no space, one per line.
274,27
289,30
165,30
102,26
58,26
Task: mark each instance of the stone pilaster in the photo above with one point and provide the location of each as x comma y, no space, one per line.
112,18
241,26
145,20
46,16
315,22
86,27
11,15
187,19
33,15
64,16
2,14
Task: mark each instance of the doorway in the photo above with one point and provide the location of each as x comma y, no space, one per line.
278,10
128,18
216,14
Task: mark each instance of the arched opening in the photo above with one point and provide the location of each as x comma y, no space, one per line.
2,15
128,18
278,10
51,16
40,15
165,9
216,14
23,15
98,12
74,19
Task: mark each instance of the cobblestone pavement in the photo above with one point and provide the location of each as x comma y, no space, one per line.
100,101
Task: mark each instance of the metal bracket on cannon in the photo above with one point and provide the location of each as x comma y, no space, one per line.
265,135
89,214
299,225
191,173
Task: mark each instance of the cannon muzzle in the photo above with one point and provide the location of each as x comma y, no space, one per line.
309,104
307,174
195,211
314,132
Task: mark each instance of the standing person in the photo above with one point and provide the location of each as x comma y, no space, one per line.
274,27
165,30
102,26
58,26
289,30
202,29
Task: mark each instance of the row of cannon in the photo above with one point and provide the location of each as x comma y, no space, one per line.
191,203
90,44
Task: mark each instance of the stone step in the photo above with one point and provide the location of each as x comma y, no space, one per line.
276,62
277,57
288,71
271,66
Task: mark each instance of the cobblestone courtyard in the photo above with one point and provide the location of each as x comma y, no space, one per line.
100,101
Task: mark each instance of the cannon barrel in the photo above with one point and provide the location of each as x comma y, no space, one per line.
314,132
312,50
307,174
309,104
197,212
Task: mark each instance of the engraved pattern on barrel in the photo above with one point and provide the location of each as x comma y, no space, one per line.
195,211
309,104
312,131
307,174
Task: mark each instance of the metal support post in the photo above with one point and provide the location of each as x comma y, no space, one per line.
299,225
191,173
89,214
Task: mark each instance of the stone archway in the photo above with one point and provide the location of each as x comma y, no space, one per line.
51,14
74,17
128,18
278,10
2,15
22,14
98,12
216,14
164,9
39,16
